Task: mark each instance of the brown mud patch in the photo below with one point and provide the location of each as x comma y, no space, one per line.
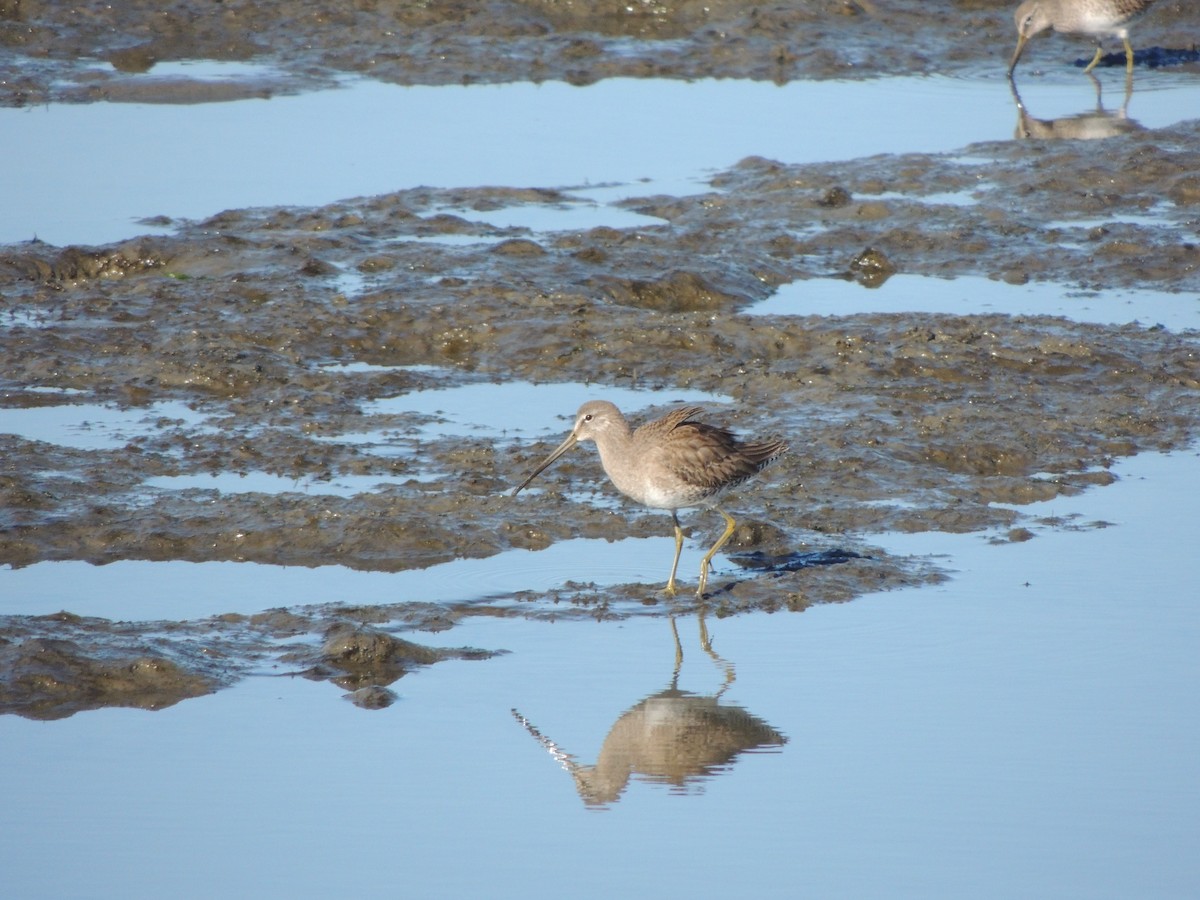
248,319
54,666
309,42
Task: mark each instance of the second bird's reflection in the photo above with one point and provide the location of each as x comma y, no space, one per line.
1093,124
672,737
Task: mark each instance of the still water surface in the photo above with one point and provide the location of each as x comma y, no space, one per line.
645,136
1027,729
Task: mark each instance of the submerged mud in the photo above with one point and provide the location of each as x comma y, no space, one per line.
262,341
55,666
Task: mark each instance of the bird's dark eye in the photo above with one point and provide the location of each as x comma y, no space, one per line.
588,417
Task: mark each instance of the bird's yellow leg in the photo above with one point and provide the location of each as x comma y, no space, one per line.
1095,59
1128,55
730,524
670,588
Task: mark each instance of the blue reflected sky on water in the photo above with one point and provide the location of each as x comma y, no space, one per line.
366,138
975,294
1026,729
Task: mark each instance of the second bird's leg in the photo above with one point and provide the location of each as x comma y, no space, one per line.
721,541
670,588
1128,55
1095,59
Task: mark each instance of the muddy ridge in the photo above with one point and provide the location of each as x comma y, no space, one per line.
313,42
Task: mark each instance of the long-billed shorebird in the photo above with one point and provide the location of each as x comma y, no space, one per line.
670,463
1095,18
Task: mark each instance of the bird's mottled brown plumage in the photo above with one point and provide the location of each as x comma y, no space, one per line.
706,460
670,463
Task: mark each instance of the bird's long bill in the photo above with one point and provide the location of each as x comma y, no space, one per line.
548,461
1021,41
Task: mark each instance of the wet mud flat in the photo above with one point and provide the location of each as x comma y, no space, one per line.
463,41
898,422
264,340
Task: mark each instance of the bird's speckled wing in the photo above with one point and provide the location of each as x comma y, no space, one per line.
707,458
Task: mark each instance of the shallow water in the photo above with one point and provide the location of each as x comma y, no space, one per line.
1024,730
647,136
266,483
974,295
90,426
534,409
136,590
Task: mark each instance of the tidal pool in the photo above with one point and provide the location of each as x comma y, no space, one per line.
646,136
93,427
972,295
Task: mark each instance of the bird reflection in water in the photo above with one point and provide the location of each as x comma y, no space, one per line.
672,737
1092,125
